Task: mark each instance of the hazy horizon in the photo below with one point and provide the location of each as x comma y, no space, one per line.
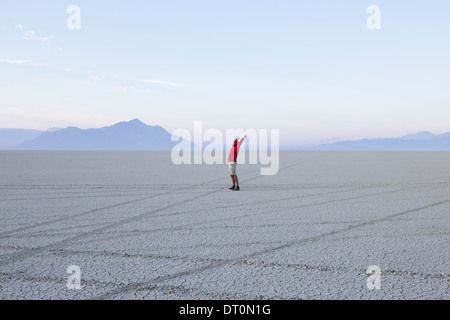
284,145
315,71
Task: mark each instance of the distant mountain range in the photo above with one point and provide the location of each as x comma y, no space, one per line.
131,135
136,135
421,141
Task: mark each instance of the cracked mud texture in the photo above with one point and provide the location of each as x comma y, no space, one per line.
140,227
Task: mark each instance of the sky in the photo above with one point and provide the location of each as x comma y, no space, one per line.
312,69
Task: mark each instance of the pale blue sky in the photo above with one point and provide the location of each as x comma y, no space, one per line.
309,68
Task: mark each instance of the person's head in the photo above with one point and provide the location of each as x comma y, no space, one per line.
235,143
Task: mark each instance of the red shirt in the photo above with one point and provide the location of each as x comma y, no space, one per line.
234,150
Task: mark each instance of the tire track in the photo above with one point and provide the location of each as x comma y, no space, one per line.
271,211
8,259
73,197
174,228
12,258
162,290
285,245
199,210
124,203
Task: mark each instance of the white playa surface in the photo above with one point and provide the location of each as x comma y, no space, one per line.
139,227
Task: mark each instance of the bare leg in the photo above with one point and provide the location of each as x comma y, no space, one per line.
236,180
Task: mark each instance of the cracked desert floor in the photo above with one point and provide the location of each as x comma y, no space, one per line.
136,226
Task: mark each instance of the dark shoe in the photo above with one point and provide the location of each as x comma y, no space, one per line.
236,189
232,188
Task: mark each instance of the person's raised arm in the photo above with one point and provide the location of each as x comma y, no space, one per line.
242,140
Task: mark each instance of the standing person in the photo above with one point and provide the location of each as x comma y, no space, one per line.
232,162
